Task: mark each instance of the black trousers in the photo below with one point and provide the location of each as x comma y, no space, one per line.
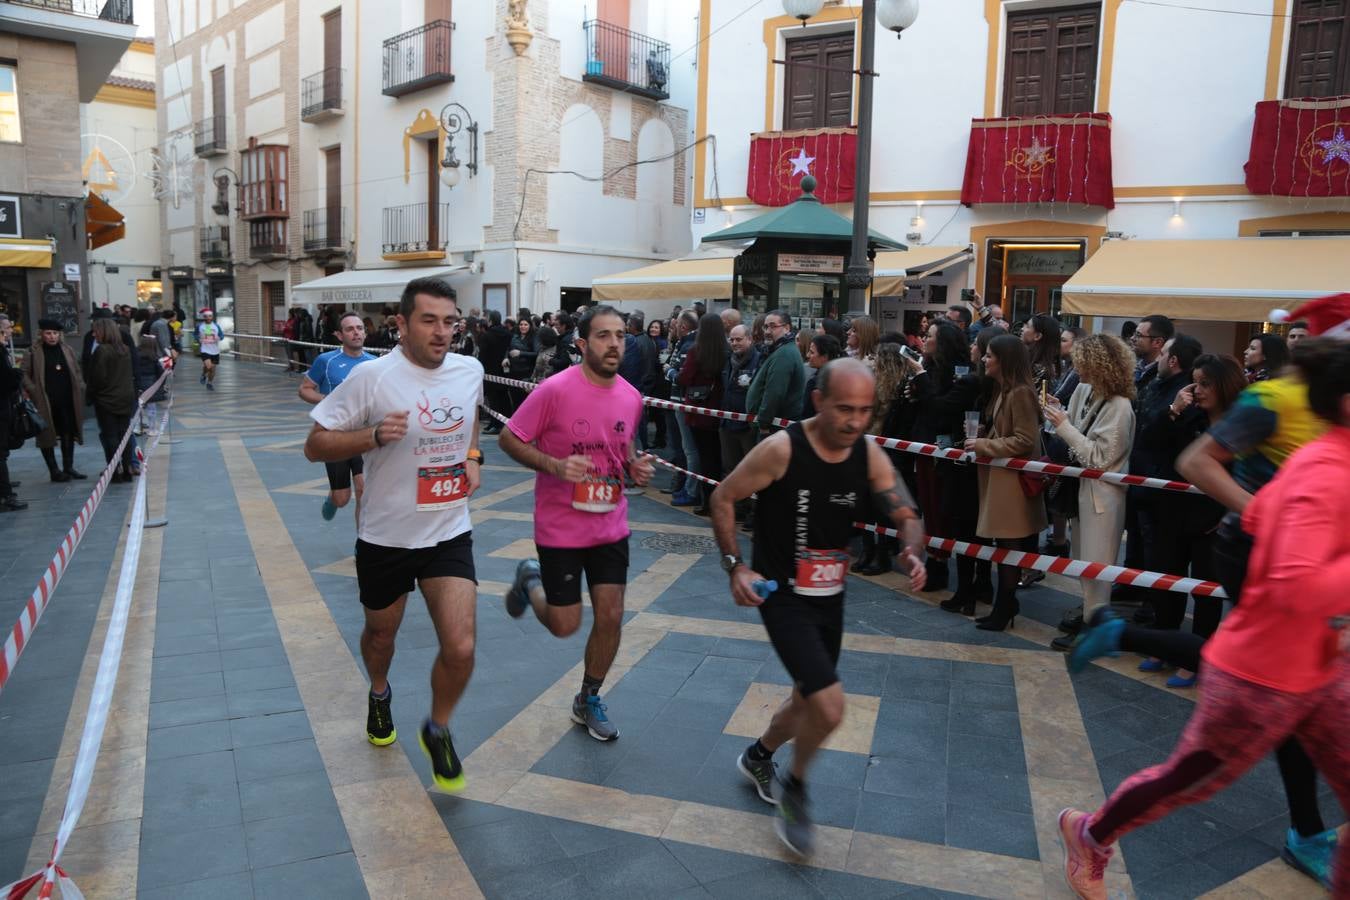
111,427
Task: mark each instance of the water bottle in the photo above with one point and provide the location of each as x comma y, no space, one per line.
764,588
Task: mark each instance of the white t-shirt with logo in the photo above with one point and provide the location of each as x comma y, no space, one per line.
415,488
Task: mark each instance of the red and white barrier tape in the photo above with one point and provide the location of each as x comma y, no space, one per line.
23,629
921,449
100,701
1075,568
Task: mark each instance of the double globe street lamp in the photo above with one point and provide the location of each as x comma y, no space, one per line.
894,15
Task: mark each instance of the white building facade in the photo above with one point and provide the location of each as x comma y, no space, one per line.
1179,82
324,117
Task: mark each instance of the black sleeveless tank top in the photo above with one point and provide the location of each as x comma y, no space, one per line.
804,520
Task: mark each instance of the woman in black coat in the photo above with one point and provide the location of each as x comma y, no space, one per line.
112,391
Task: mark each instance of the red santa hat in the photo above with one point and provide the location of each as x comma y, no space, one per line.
1326,316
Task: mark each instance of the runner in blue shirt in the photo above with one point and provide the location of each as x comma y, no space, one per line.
325,374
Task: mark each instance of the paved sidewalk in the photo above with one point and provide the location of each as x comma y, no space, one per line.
250,775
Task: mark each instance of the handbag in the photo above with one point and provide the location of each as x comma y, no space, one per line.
1063,494
25,423
1035,483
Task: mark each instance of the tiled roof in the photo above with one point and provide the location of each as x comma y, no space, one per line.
136,83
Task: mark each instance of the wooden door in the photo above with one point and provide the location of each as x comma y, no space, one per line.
436,42
332,59
433,195
818,82
1050,64
218,104
333,203
611,37
1319,49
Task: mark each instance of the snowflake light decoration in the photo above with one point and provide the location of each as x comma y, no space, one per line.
174,174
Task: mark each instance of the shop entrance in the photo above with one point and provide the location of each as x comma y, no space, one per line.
1028,276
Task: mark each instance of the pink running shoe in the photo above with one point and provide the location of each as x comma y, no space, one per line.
1084,862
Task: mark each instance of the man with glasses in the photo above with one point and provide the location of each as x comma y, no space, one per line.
414,415
1147,342
780,384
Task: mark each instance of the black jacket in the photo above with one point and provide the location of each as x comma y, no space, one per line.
736,380
1155,447
492,348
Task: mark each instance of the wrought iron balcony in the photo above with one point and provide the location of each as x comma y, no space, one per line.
324,230
418,59
209,136
321,95
108,10
267,238
627,61
418,230
215,243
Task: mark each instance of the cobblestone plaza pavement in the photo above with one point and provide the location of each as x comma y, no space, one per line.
235,763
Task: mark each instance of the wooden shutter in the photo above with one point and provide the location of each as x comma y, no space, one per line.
818,82
1050,64
1319,49
218,104
332,59
333,203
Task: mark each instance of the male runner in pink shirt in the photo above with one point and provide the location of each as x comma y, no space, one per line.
577,430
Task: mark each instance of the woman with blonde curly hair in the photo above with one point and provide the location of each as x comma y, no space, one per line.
1099,431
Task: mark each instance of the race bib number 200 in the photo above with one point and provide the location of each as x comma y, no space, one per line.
820,573
441,487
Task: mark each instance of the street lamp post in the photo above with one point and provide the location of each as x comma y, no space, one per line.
895,15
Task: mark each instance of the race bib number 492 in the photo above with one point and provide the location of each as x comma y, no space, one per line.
441,487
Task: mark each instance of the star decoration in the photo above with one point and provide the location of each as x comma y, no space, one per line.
1338,148
1038,154
801,163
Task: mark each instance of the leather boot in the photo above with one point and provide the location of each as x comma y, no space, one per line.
49,457
68,459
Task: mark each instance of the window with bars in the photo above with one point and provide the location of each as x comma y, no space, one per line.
263,181
1050,60
1319,49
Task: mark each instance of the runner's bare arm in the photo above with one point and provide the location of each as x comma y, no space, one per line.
761,467
473,469
309,391
1205,464
572,468
322,445
892,500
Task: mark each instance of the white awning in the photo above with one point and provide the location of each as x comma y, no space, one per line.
894,268
366,285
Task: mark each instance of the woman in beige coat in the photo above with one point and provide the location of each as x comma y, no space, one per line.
1013,428
54,384
1099,429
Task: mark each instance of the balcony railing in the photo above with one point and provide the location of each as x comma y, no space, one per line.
417,59
267,238
324,230
416,228
108,10
321,95
209,136
627,61
215,243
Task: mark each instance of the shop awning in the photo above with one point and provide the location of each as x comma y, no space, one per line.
102,223
366,285
894,268
1236,280
695,278
27,253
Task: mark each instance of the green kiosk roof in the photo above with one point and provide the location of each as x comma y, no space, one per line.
804,219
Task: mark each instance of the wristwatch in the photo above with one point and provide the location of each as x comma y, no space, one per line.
475,456
730,562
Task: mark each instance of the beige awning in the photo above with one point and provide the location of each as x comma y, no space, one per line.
694,278
709,278
366,285
1236,280
28,253
895,267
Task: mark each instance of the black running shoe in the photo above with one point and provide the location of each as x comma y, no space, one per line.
446,771
380,728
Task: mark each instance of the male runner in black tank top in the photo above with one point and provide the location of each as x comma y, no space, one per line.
812,482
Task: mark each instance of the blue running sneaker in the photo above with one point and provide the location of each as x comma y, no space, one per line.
1311,855
1101,638
329,510
1152,665
587,710
523,588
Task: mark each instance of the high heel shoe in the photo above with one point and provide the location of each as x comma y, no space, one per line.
1003,617
960,602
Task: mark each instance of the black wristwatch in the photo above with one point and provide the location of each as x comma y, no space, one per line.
730,562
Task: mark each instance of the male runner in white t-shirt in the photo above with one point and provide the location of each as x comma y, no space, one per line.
414,414
576,429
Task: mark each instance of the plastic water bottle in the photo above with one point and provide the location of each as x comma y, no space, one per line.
764,588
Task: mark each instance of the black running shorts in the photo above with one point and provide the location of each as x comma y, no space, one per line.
560,569
807,633
340,473
386,573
